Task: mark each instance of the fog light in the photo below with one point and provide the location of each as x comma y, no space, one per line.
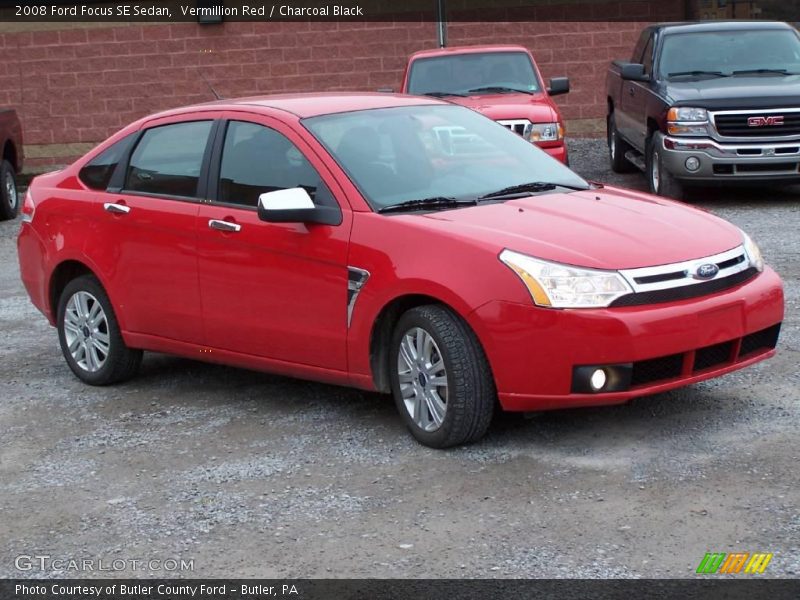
598,379
692,163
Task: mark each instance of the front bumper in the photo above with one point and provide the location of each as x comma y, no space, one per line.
720,162
557,150
534,351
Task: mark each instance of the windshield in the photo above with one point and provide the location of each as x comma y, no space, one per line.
461,73
728,52
394,155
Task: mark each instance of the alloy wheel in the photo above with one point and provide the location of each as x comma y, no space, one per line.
10,190
423,379
86,331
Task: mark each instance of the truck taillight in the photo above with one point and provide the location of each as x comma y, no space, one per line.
28,207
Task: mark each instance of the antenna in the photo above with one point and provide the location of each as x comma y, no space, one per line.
211,87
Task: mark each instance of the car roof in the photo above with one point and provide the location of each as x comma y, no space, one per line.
308,104
467,50
710,26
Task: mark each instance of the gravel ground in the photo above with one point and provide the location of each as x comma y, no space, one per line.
249,474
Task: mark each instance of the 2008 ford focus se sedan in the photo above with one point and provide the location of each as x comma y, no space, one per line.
390,243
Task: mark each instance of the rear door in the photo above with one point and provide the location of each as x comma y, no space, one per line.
273,290
149,228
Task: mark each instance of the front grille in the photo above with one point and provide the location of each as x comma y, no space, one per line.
518,126
685,292
656,369
736,125
712,356
766,339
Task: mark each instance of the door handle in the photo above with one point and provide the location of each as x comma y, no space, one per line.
117,209
631,91
224,226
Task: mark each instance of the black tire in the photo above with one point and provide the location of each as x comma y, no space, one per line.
617,147
121,362
659,180
9,198
471,394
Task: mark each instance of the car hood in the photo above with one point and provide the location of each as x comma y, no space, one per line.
759,91
536,108
606,228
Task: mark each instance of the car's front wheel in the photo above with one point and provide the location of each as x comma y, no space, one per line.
659,180
90,336
617,147
9,201
441,380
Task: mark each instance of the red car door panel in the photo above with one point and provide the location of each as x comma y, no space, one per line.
275,290
151,237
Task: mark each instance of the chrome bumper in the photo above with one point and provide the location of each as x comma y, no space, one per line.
720,161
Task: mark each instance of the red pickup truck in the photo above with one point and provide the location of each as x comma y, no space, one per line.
501,82
10,162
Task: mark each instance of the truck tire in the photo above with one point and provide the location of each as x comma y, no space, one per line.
9,200
617,147
659,180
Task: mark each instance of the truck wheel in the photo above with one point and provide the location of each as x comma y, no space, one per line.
659,180
617,147
9,202
90,337
441,380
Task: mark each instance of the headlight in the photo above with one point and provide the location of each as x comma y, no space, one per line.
545,132
686,120
753,253
565,286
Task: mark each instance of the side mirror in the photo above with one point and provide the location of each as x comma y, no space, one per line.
294,205
558,85
633,72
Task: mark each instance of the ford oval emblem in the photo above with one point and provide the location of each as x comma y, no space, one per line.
707,271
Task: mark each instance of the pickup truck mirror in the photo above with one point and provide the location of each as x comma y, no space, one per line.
558,85
633,72
294,205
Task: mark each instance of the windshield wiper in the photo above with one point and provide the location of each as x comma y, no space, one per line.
757,71
532,187
717,73
500,89
426,203
443,94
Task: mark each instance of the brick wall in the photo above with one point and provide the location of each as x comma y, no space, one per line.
75,85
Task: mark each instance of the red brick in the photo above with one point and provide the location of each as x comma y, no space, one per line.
62,80
45,38
132,33
73,36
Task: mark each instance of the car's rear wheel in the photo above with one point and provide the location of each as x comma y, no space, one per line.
9,201
441,380
617,147
90,337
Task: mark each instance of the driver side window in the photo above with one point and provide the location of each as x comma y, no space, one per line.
257,159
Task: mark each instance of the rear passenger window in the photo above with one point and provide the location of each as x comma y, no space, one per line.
97,173
256,159
168,159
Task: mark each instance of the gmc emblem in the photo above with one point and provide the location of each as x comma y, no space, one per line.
765,121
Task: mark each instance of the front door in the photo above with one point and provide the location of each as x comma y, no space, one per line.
273,290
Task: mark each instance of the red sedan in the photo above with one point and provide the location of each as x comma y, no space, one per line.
390,243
